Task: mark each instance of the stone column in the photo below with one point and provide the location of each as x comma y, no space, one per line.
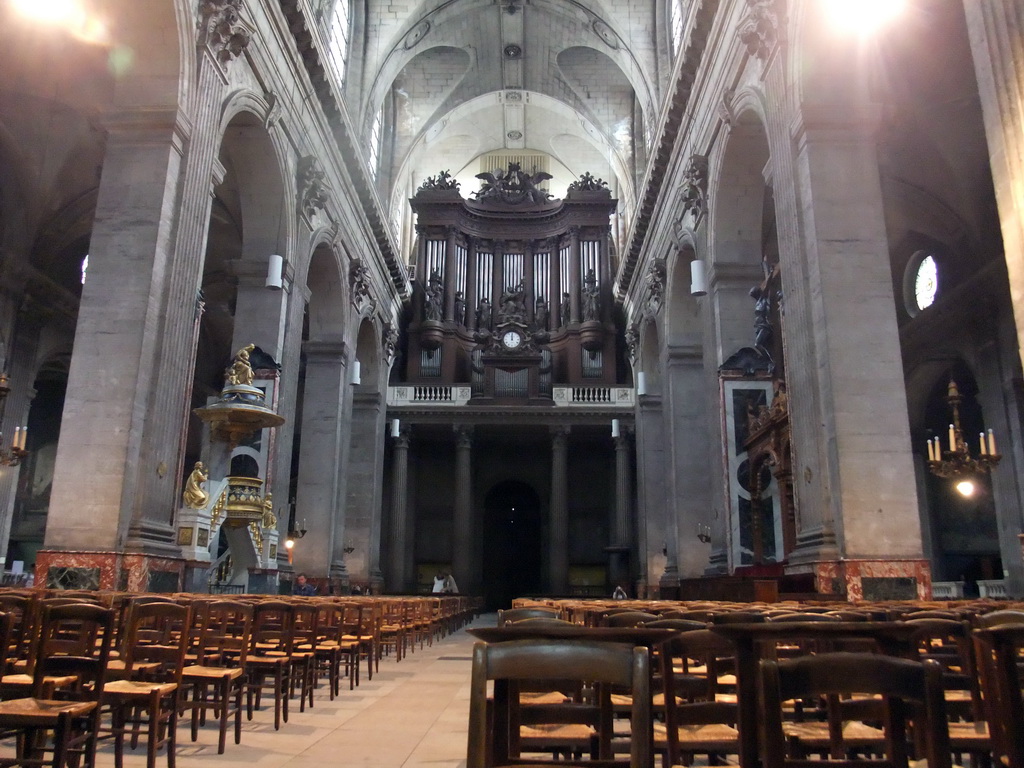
317,500
621,538
996,31
462,554
859,437
558,547
114,479
260,313
396,567
361,521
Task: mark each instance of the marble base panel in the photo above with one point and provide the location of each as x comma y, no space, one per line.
871,579
108,570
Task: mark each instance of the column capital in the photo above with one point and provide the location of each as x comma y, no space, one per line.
326,351
560,434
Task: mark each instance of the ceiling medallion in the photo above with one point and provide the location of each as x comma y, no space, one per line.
416,34
515,135
603,31
513,51
513,96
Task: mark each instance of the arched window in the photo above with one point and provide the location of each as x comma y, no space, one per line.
337,45
675,18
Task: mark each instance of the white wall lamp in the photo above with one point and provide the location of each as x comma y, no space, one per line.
354,374
396,428
641,383
698,278
615,428
275,272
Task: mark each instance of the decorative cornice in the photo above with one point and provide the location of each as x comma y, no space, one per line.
760,30
671,133
222,29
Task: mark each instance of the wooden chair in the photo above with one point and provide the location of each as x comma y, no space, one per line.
155,640
270,657
217,679
999,653
497,741
909,691
700,715
302,670
73,641
629,619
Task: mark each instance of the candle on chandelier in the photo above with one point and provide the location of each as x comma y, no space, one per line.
17,437
952,439
991,443
931,451
24,434
981,439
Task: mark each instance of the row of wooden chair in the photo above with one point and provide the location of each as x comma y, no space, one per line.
697,699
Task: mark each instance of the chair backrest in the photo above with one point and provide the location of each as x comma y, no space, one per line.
271,627
602,664
20,610
998,651
996,618
629,619
157,631
225,633
74,639
509,615
911,690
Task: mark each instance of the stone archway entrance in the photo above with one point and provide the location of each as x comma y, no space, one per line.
513,538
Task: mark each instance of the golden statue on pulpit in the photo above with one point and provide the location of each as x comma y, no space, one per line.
195,496
240,371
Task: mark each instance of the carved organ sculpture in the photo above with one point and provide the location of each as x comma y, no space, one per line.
514,288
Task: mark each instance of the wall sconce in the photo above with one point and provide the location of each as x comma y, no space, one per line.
294,536
615,428
698,278
275,272
354,374
396,429
17,451
641,383
703,533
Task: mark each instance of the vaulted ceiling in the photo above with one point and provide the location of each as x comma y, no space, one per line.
573,80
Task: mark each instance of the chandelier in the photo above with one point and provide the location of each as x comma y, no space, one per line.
957,463
11,457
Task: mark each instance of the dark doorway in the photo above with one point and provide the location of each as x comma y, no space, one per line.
512,543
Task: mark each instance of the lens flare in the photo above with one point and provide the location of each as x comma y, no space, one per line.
965,488
863,15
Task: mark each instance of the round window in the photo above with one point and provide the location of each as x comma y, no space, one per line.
921,282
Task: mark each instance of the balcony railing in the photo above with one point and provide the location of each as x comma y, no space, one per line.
460,394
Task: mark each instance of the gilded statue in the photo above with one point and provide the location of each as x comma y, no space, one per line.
195,496
240,371
269,518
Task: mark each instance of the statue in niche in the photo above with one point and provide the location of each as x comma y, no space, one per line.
540,314
240,371
566,309
763,330
591,297
460,308
435,294
513,304
195,496
483,314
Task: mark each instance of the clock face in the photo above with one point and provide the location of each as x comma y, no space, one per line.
511,339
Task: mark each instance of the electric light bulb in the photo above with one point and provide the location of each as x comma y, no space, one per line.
965,488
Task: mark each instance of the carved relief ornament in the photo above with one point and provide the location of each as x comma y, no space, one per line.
312,185
633,342
359,286
655,280
695,187
222,28
760,29
390,342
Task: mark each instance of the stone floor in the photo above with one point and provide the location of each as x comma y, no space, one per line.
413,714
